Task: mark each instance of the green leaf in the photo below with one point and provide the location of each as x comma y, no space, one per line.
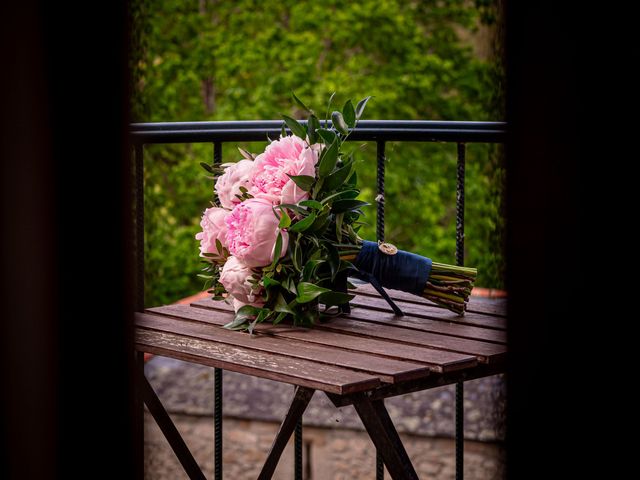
289,284
309,268
339,123
304,224
245,313
293,254
283,132
337,178
320,223
297,255
269,282
353,236
281,316
327,136
301,103
335,298
333,258
281,305
311,204
349,114
339,220
353,179
326,118
247,310
293,207
238,323
305,182
219,246
285,219
277,250
328,160
296,128
342,194
312,126
346,205
344,265
360,107
309,291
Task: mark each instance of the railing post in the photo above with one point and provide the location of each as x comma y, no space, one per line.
217,423
380,167
297,440
460,261
217,376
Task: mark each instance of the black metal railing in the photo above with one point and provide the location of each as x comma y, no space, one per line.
380,131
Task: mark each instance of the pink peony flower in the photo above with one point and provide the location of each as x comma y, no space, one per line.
289,155
214,228
252,230
229,183
235,277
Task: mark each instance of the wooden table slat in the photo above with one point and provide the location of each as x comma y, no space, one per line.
432,312
485,352
493,306
429,325
243,360
388,370
219,313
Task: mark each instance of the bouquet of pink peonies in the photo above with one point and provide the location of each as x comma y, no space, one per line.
281,236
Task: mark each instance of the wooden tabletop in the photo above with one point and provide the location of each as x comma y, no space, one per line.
366,350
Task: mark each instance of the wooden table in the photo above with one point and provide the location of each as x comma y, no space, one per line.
358,360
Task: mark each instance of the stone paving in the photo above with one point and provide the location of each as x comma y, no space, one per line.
335,445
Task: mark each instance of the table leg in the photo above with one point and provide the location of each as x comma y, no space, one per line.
385,437
169,430
298,405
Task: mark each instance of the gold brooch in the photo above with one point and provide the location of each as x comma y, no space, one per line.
387,248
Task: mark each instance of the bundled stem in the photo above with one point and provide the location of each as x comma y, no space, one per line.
450,286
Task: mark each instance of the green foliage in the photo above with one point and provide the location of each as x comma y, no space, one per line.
241,60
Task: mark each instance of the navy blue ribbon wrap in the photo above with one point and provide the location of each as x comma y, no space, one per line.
404,271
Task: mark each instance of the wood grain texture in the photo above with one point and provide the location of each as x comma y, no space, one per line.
484,351
431,311
265,365
493,306
428,325
388,370
437,360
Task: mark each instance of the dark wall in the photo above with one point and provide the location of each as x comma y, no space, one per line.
551,95
65,342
